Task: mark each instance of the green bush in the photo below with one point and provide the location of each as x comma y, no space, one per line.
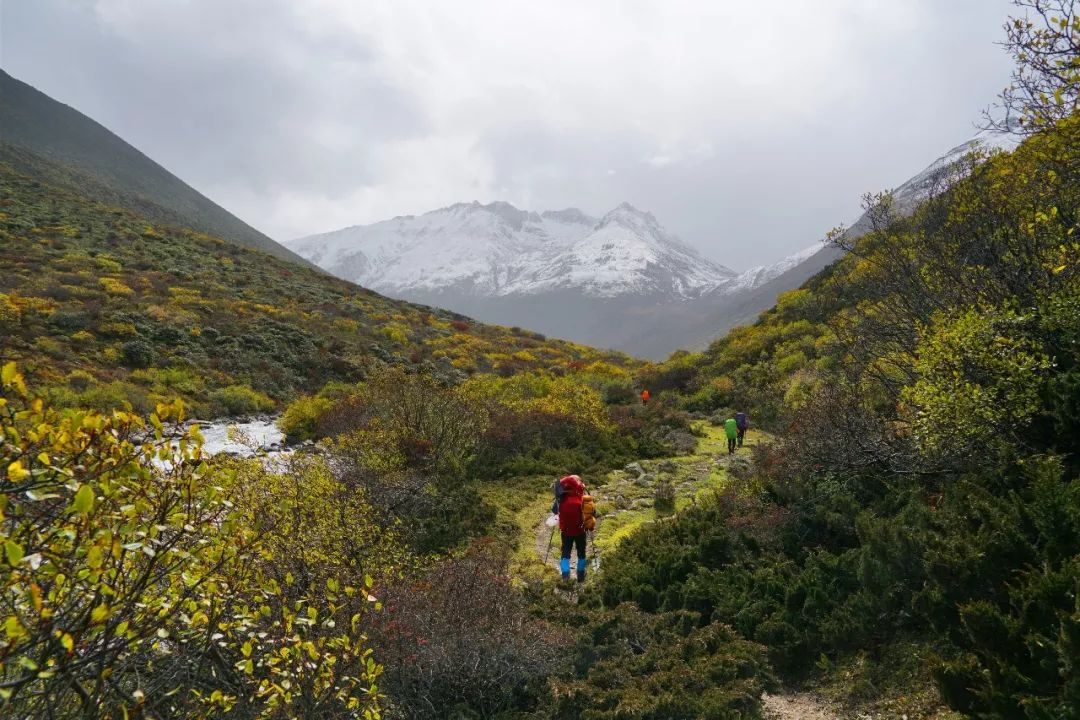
137,354
633,666
300,421
241,400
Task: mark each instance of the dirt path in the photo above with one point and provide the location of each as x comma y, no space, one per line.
797,706
544,535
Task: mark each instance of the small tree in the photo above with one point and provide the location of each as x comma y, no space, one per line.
1045,88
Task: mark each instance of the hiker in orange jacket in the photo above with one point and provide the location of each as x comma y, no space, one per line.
645,397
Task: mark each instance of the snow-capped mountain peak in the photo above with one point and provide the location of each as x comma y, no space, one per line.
499,250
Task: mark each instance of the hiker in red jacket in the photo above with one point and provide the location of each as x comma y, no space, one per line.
568,493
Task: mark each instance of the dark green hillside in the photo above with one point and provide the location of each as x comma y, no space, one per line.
57,144
104,307
918,516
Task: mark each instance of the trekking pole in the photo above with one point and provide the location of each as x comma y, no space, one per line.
551,538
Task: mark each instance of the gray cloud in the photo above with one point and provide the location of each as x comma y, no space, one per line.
748,132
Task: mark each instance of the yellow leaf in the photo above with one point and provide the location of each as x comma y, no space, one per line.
94,557
12,627
17,472
9,373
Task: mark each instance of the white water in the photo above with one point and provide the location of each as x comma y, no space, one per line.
245,439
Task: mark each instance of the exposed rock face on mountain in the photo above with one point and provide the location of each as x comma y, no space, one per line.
620,280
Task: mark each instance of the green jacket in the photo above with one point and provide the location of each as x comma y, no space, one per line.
731,429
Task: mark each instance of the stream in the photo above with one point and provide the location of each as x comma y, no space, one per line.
243,438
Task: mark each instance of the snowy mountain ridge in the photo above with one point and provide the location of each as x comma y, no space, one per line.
497,250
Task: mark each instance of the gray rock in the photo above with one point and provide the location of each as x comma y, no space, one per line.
645,480
683,442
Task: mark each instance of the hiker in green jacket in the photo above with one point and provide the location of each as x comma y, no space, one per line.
731,429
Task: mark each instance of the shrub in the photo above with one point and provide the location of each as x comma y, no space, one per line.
127,564
116,287
459,642
79,380
302,417
241,400
635,665
664,496
137,354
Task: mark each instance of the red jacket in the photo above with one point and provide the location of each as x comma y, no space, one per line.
571,521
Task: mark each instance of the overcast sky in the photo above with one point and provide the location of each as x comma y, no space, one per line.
747,128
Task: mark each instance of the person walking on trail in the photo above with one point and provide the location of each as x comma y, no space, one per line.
645,397
569,494
731,429
742,423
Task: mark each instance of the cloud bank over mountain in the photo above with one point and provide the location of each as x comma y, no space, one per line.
742,128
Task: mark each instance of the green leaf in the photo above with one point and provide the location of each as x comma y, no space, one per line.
84,499
13,552
94,557
98,614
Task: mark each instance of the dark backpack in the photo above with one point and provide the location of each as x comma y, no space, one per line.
558,497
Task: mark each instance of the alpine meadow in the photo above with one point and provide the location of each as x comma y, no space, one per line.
865,503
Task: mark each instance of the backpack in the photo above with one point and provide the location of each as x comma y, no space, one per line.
558,489
588,512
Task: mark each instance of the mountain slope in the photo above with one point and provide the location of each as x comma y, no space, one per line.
103,308
55,143
720,311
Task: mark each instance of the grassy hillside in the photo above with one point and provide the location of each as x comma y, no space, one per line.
59,145
103,307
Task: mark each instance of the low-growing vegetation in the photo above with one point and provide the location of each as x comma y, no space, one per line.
922,499
103,309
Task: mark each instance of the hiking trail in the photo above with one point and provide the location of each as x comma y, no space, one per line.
625,502
625,499
795,706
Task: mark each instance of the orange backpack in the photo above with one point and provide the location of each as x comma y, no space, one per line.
588,512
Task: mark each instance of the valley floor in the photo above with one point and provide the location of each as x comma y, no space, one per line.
625,504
